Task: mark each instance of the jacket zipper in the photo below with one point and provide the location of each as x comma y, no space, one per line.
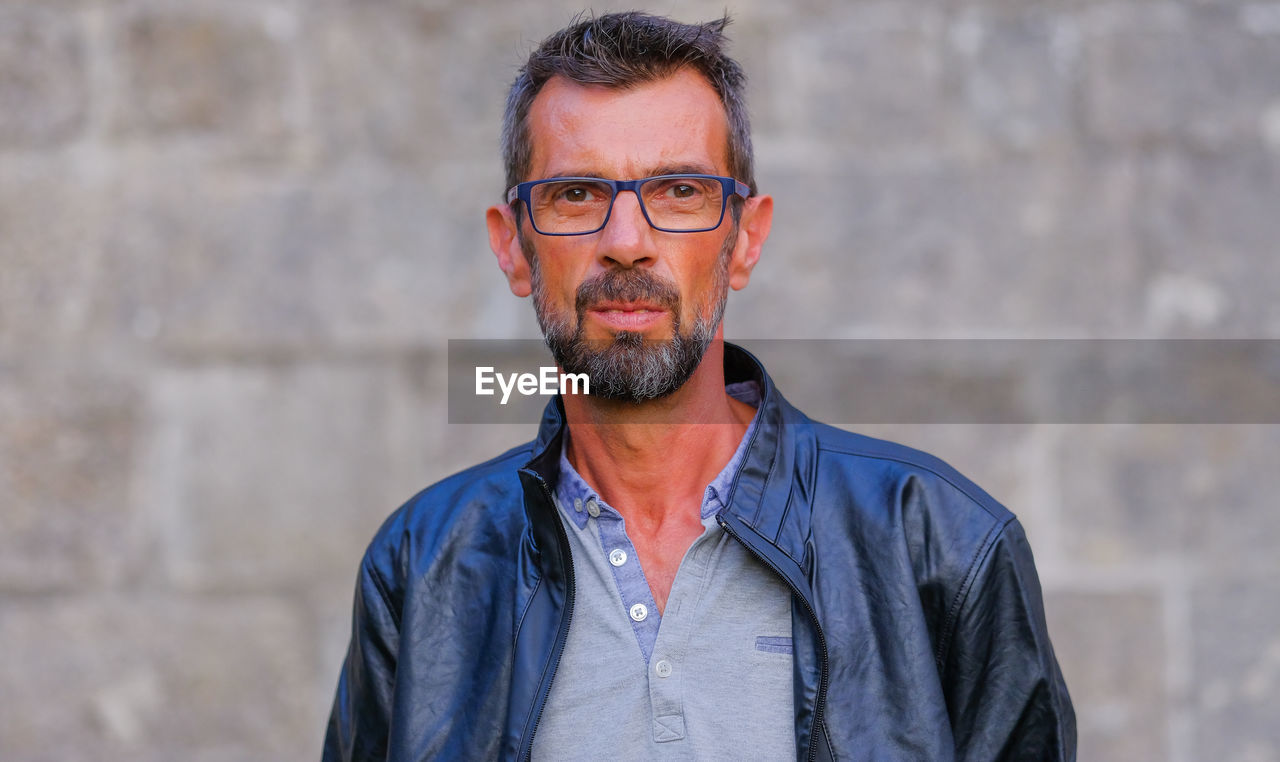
813,617
563,634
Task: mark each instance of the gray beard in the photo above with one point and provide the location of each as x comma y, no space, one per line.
630,368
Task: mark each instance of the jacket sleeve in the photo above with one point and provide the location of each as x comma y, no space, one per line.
361,718
1005,693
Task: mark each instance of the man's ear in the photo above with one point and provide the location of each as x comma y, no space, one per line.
757,219
504,239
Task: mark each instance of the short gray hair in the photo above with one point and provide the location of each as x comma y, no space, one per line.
621,50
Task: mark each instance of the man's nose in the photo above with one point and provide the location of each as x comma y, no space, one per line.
627,238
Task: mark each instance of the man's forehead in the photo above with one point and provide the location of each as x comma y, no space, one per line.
675,123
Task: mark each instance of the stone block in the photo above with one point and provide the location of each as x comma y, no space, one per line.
861,81
1186,494
203,265
377,76
360,263
203,72
278,476
331,607
1155,73
1236,636
1015,75
50,230
1209,227
1012,248
1112,652
1118,503
157,678
44,89
1232,482
66,460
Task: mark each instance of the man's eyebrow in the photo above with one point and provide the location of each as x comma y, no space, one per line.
681,169
569,173
661,169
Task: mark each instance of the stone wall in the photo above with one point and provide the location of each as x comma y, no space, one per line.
235,236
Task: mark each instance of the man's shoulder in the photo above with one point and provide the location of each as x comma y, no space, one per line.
487,495
906,475
905,509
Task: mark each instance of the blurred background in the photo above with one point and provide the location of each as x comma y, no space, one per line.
236,235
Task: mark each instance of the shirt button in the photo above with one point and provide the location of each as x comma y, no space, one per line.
618,557
593,508
663,668
639,612
577,504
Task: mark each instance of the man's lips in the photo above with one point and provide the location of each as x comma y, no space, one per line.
627,315
625,307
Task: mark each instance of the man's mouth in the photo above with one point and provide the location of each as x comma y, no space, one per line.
627,316
625,307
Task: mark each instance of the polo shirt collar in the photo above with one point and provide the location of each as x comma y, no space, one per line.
572,493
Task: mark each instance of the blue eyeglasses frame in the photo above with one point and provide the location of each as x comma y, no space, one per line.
728,187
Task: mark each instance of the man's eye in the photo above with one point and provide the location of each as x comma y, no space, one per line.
576,195
681,191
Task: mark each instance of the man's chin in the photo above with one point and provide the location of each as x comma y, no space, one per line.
601,337
633,341
630,367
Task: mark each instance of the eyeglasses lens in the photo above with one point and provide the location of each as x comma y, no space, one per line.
672,203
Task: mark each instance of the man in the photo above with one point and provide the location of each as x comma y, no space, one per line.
681,564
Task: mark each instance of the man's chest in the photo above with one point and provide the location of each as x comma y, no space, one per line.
709,674
660,555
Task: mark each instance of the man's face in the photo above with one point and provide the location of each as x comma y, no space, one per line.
631,366
632,306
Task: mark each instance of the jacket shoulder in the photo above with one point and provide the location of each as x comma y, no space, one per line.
909,510
903,467
907,507
486,494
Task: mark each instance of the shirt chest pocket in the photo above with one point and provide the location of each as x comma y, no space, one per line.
774,645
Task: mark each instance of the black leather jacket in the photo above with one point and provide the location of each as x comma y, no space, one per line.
917,620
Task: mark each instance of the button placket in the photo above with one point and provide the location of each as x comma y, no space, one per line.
634,594
666,696
666,692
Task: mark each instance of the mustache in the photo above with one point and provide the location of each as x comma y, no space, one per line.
632,285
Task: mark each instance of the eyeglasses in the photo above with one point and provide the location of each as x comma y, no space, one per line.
670,203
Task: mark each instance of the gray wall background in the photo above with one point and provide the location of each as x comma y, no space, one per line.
235,236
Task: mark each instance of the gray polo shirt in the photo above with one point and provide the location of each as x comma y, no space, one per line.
710,678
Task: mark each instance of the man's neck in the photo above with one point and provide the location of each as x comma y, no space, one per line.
652,461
